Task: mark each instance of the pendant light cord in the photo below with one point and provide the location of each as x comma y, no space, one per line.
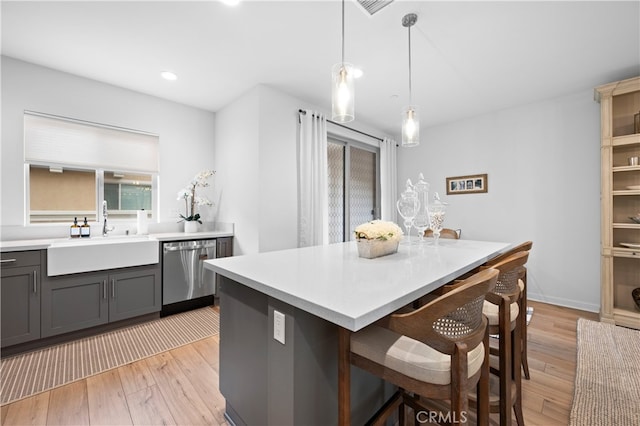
410,97
343,33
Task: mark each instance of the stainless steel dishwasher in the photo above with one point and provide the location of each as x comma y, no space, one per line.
186,284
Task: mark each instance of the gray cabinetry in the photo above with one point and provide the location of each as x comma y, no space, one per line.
74,302
134,293
20,295
224,248
79,301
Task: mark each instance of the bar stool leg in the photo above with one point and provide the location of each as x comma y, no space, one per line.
505,362
523,328
517,372
482,388
344,377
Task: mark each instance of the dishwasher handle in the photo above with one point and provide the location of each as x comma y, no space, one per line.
187,248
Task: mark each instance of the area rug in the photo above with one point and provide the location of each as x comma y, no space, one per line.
607,384
27,374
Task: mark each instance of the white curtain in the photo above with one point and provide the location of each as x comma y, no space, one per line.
313,202
388,179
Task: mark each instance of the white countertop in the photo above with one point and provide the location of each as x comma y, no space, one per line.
333,283
41,244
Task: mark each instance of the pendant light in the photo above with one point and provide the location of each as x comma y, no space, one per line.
410,118
342,92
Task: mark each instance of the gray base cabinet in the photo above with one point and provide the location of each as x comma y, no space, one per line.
20,297
224,248
304,370
74,302
79,301
135,293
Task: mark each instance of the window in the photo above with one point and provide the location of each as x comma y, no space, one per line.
354,196
127,193
59,196
71,166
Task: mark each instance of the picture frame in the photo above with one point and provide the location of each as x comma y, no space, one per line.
470,184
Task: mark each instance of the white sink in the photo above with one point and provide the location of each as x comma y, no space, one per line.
70,256
111,239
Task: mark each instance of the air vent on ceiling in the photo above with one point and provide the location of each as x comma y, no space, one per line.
373,6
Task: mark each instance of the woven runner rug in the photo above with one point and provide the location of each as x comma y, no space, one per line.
607,387
27,374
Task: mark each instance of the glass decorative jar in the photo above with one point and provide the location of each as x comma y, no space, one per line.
437,210
421,220
408,206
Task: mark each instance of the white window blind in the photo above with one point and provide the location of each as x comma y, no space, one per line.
54,140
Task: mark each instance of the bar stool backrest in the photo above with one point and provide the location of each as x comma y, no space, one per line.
510,270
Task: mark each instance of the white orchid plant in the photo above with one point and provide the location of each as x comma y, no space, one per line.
378,230
188,194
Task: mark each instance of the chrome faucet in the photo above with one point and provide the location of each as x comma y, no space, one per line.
105,228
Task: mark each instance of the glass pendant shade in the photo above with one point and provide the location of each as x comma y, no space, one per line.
342,93
410,126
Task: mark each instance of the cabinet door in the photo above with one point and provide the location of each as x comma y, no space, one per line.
133,293
20,294
224,247
74,302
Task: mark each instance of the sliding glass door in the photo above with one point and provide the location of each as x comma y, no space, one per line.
354,194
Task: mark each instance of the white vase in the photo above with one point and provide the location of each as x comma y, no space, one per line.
370,249
190,226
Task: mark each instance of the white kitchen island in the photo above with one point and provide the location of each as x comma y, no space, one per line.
320,290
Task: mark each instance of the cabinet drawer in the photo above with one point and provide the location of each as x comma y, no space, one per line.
16,259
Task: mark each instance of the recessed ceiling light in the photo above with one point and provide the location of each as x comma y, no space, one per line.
230,2
357,72
168,75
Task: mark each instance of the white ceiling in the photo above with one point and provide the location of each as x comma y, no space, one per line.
468,57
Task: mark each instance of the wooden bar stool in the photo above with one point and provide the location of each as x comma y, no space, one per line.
436,351
453,234
526,246
502,310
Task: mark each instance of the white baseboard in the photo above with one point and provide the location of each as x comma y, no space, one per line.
568,303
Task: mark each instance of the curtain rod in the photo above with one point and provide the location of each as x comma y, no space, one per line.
301,111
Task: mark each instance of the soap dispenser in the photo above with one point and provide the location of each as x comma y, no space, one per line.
85,229
75,229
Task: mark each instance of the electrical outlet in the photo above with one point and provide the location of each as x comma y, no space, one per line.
278,326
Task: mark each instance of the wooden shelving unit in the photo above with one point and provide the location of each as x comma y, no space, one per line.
620,199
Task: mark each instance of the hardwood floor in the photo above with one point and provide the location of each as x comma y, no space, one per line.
180,387
552,342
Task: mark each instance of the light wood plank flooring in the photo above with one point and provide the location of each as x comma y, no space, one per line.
180,387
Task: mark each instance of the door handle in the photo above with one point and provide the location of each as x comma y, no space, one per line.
113,288
104,289
35,281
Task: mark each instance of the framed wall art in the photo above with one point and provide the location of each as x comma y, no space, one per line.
471,184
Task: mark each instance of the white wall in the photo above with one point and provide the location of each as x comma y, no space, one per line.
256,159
237,163
278,174
186,133
543,162
256,155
